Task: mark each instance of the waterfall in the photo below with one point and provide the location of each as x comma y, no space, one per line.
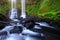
26,34
13,12
23,14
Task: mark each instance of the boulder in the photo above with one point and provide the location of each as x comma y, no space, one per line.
28,23
16,29
51,34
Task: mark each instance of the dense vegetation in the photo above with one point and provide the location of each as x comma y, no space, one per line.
47,9
4,6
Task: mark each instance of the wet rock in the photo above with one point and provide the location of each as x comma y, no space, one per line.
3,19
28,23
16,29
51,34
51,30
54,23
3,33
58,14
2,25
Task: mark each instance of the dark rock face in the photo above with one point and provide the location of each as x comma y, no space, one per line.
2,25
51,30
53,23
51,34
28,23
16,29
3,19
58,14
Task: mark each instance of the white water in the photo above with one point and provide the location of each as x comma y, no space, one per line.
13,16
23,14
44,24
14,37
13,12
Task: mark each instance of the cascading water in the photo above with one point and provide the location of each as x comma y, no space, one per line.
28,34
13,17
23,14
13,13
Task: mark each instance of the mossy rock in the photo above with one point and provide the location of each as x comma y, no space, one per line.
58,14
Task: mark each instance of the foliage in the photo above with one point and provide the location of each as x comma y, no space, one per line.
4,6
41,8
45,9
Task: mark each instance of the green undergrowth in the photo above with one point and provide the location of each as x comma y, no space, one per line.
39,8
45,9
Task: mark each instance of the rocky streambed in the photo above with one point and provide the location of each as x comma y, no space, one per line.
30,23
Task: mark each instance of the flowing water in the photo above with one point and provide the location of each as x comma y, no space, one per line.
26,34
23,14
13,14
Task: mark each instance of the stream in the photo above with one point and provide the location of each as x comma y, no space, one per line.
16,30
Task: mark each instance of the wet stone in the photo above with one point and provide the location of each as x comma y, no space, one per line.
3,19
58,14
28,23
3,33
16,29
